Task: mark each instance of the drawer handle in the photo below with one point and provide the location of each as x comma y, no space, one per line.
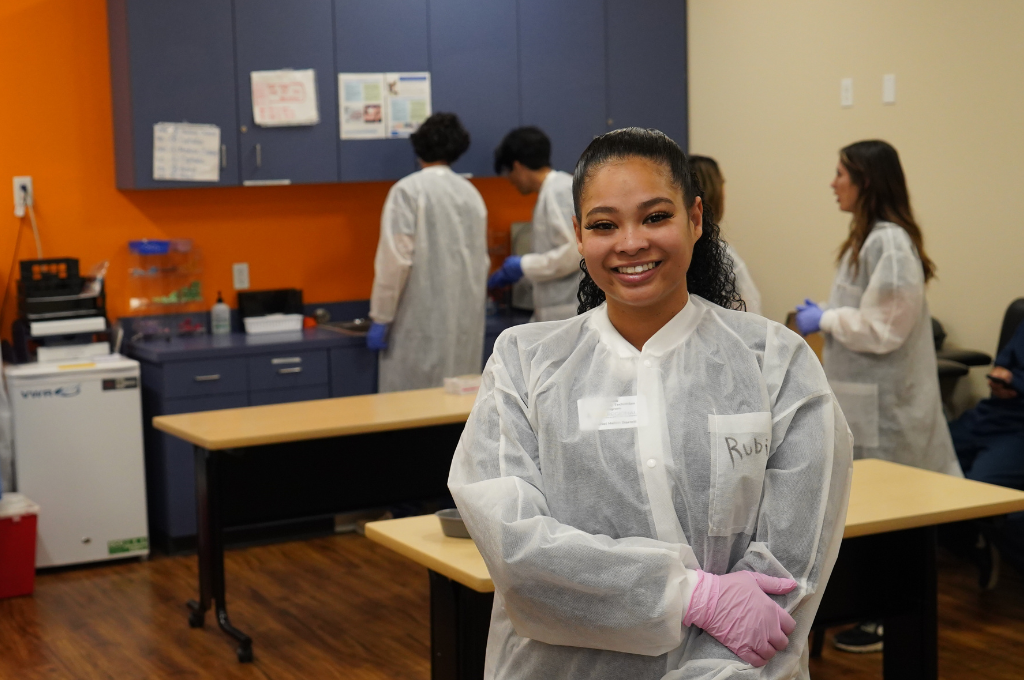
207,378
286,360
297,369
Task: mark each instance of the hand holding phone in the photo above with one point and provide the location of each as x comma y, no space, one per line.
999,381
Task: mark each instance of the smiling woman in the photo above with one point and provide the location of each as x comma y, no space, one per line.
642,477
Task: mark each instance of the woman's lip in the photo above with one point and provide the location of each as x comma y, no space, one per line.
635,278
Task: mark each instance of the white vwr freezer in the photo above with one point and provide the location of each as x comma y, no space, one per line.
78,454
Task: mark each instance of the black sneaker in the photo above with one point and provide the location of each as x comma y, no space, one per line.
867,637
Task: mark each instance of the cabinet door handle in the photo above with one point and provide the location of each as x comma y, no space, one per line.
223,155
207,378
286,360
296,369
259,156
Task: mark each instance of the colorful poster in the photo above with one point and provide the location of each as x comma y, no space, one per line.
361,101
408,102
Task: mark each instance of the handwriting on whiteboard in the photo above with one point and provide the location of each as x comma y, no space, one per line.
186,152
285,97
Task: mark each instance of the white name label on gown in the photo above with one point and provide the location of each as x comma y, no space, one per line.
611,413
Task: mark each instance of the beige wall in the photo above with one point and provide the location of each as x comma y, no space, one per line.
764,101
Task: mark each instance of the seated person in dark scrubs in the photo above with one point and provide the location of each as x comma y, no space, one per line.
989,441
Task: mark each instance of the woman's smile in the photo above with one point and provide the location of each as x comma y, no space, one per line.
635,273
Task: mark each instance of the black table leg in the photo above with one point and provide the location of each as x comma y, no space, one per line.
912,636
459,620
889,577
210,539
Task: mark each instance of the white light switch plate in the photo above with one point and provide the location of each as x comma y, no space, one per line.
240,275
889,88
846,92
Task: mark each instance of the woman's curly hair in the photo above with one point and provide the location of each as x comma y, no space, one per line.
711,269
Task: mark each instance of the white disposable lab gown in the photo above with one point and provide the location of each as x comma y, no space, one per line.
595,479
430,280
879,355
745,285
554,265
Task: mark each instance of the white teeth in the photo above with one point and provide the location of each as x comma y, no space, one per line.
637,269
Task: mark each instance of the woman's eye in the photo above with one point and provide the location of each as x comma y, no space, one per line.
658,217
600,225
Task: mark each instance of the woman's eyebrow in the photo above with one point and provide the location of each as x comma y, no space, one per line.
602,209
651,202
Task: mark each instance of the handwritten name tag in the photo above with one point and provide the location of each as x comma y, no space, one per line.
741,447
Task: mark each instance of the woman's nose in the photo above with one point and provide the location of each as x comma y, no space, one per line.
633,240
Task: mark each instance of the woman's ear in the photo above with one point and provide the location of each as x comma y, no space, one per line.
579,234
696,214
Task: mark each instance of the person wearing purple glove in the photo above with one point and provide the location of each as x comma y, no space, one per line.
808,317
429,295
377,336
879,353
553,266
508,273
658,485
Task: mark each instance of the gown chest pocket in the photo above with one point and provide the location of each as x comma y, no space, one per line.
739,454
859,402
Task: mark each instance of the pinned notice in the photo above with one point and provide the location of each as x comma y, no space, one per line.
408,102
284,98
362,105
186,152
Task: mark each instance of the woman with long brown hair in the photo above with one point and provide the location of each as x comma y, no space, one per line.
879,353
713,183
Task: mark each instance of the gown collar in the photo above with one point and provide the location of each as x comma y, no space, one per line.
669,336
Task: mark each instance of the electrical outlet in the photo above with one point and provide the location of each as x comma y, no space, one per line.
23,194
240,275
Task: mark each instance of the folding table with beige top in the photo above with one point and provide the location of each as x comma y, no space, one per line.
886,568
399,445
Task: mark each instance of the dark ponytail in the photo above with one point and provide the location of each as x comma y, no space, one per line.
711,269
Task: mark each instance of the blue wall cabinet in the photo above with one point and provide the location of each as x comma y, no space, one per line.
475,73
575,68
171,62
563,89
271,35
382,36
647,81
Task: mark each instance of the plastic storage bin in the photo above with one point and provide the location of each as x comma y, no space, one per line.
18,517
273,323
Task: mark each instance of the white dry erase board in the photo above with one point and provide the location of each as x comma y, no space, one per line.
284,98
186,152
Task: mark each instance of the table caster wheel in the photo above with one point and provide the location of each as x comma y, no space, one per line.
196,619
244,654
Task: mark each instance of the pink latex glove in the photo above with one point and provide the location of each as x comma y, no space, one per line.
734,609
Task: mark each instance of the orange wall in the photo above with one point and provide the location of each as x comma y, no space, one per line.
56,125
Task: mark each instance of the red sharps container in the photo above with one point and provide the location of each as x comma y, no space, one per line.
17,545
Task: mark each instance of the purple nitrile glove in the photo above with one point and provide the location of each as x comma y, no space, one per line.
509,272
377,337
734,609
808,317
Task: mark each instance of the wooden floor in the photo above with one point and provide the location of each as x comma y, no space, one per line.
343,607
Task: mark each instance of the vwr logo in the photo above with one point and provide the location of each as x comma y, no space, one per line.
62,391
